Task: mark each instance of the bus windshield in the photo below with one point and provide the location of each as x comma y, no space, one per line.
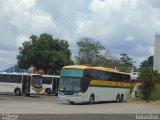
72,72
36,81
70,84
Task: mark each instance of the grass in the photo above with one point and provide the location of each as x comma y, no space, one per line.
155,95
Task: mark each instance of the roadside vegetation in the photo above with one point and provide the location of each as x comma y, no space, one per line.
155,95
149,80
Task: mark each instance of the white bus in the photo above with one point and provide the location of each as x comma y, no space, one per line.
20,83
50,84
80,84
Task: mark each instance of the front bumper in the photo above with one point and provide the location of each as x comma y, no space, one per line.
71,98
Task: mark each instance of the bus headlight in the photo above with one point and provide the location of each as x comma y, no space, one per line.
60,93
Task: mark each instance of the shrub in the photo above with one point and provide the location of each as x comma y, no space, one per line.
148,78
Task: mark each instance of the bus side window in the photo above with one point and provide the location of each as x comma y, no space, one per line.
1,78
118,77
127,78
84,84
109,76
101,75
8,78
104,75
94,74
87,73
123,78
114,77
17,78
47,80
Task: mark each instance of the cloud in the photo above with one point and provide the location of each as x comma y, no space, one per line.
154,3
128,26
19,20
122,26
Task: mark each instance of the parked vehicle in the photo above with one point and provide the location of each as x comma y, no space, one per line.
50,84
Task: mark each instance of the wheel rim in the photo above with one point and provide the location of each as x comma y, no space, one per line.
91,100
122,98
48,92
17,92
118,99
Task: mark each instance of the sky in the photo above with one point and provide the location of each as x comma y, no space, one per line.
122,26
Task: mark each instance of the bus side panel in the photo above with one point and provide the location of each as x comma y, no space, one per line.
34,91
9,87
45,86
105,93
98,92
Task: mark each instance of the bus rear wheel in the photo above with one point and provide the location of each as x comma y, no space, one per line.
122,98
48,91
91,99
118,99
17,92
70,102
28,95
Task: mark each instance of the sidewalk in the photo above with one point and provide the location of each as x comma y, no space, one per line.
137,100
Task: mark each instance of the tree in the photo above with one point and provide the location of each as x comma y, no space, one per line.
114,62
147,63
148,78
126,62
91,52
44,52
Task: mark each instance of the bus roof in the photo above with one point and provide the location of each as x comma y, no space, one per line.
4,73
110,70
77,66
96,68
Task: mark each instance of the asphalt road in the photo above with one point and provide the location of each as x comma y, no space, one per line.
43,104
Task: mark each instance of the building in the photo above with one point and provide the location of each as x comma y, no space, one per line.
156,62
15,68
134,77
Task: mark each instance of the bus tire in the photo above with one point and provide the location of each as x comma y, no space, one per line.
48,91
70,102
28,95
91,99
17,92
122,98
118,99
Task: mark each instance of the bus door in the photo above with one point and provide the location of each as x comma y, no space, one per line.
26,84
55,85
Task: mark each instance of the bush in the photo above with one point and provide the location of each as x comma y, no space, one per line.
148,78
155,95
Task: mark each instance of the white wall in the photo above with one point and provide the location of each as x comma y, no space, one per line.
156,63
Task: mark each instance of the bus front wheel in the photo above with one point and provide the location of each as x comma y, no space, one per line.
91,99
48,91
17,92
